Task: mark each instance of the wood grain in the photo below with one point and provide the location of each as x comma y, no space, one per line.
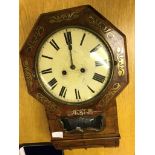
33,122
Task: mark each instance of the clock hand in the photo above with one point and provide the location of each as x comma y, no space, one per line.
71,58
68,39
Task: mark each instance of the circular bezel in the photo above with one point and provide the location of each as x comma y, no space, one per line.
98,95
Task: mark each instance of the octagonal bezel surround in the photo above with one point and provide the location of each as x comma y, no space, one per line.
83,16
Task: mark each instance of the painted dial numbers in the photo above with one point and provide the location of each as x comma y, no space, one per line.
92,65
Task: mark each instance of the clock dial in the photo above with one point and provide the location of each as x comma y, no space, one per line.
74,65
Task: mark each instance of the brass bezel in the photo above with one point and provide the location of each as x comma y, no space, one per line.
97,96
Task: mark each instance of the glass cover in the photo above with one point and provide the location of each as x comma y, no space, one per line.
73,65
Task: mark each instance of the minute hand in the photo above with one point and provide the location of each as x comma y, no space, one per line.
68,39
71,58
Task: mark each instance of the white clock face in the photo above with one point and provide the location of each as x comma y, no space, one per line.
74,65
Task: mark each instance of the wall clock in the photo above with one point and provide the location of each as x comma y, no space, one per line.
75,63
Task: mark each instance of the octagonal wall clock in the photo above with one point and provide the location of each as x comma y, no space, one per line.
75,63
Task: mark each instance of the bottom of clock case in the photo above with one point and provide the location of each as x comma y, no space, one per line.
87,143
108,137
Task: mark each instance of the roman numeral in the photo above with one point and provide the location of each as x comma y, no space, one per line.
82,39
98,63
90,89
99,77
77,94
54,44
44,56
49,70
53,83
68,38
63,92
95,48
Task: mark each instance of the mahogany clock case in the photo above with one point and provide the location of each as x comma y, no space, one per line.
84,16
105,104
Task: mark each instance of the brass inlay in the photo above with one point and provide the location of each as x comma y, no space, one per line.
111,93
99,23
62,17
38,32
80,112
121,62
28,74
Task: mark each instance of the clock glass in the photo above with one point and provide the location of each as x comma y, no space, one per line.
74,65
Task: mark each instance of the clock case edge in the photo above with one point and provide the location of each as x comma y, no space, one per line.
27,56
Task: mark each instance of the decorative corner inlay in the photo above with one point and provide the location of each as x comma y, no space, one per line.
62,17
111,93
38,32
45,101
121,62
110,35
28,73
99,23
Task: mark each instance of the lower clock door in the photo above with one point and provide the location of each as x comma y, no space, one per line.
107,137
